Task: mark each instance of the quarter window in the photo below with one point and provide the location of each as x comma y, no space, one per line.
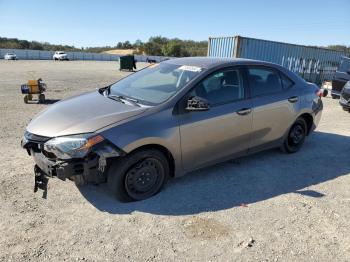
221,87
264,81
286,82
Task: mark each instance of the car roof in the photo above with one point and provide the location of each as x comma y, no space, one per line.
210,62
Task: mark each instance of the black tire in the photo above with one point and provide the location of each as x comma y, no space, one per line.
325,93
25,99
41,99
138,176
296,136
335,97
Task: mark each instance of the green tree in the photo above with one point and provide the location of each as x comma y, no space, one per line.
152,48
172,48
342,48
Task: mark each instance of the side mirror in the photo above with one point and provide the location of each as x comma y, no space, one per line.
196,103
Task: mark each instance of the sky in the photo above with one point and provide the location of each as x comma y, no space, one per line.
86,23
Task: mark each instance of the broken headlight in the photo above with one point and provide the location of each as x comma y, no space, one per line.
76,146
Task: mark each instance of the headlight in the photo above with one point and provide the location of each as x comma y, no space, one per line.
77,146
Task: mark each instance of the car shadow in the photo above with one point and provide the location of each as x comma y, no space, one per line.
241,182
51,101
47,102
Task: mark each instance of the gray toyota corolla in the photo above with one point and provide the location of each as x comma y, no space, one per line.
169,119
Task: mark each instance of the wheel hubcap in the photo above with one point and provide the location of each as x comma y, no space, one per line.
143,178
297,134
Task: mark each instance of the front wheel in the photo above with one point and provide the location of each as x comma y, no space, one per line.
296,136
139,175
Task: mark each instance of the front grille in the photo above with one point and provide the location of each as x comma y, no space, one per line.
49,155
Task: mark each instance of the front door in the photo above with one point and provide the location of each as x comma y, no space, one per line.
224,129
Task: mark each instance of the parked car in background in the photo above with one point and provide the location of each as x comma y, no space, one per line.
61,56
345,97
341,76
10,56
169,119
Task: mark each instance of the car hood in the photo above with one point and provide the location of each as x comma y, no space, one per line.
81,114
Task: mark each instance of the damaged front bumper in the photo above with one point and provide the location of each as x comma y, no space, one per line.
66,169
90,169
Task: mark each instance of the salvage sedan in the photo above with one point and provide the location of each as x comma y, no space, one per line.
169,119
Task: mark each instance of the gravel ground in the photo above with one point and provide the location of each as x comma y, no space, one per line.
266,207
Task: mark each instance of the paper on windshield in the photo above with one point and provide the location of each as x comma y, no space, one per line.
190,68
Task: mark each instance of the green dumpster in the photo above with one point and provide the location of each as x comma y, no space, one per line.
127,62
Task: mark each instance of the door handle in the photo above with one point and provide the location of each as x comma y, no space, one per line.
293,99
244,111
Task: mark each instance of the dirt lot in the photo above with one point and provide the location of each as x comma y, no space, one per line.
267,207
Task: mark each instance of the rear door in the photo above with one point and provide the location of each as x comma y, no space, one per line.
275,103
223,130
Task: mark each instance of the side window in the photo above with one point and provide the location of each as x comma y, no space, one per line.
286,82
221,87
264,81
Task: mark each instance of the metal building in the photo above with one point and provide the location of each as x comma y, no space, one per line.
314,64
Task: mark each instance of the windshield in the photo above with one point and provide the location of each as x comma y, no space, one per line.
155,84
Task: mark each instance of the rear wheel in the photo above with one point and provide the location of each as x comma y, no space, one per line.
139,175
25,99
296,136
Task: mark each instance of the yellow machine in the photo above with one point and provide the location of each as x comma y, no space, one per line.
34,87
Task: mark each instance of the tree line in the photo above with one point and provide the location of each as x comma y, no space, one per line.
14,43
156,45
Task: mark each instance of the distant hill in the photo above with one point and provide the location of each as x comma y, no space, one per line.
120,51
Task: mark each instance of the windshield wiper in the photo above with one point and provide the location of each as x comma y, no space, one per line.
122,99
117,98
